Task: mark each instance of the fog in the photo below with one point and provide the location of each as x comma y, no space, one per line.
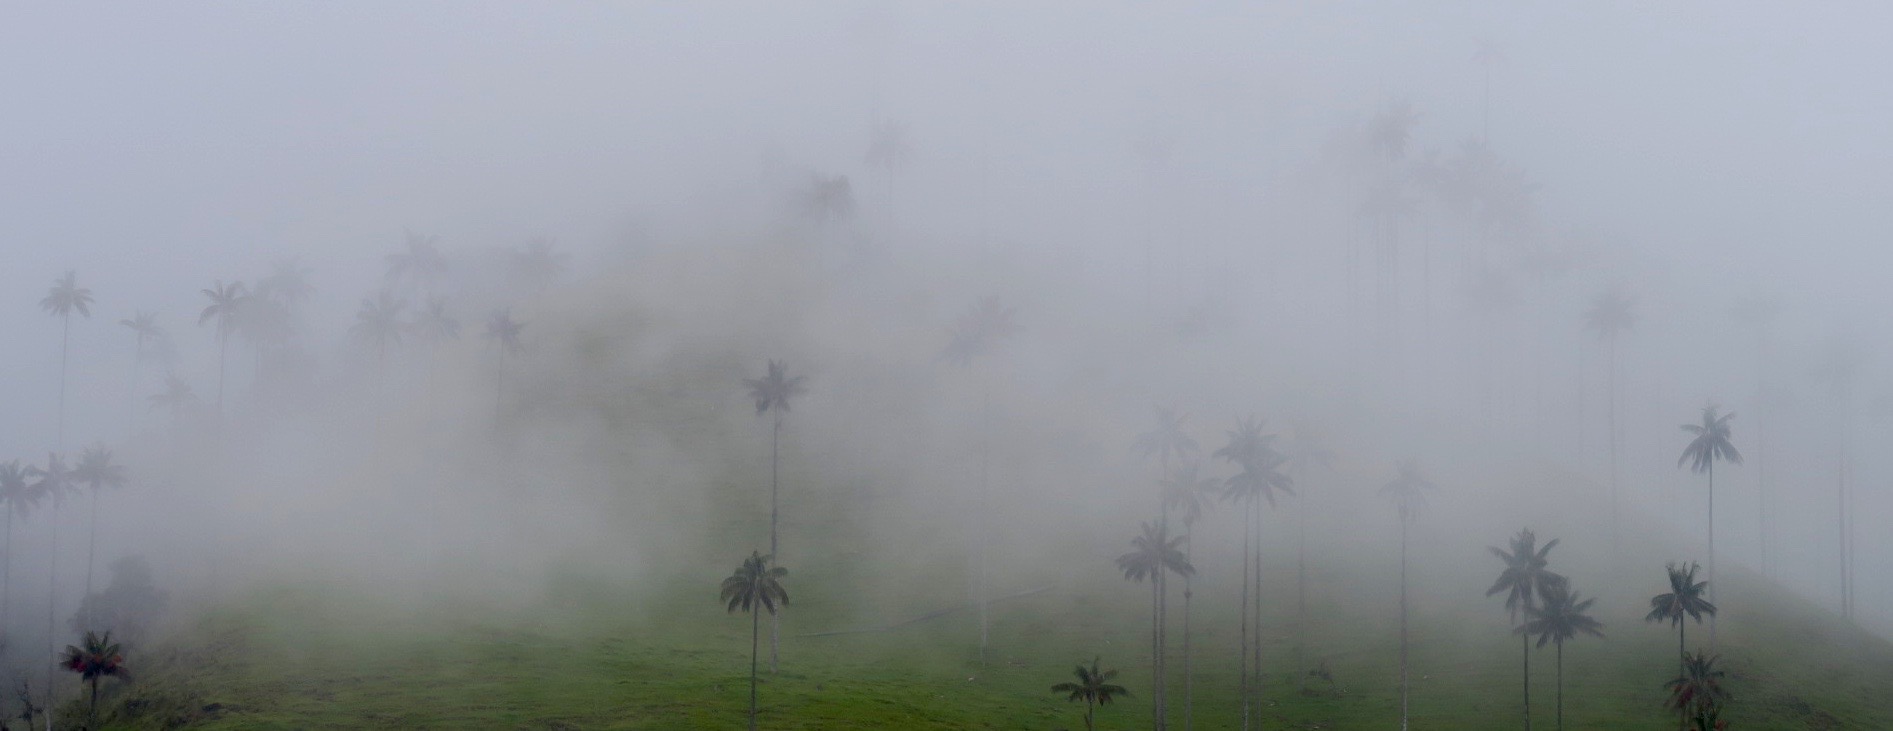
1383,223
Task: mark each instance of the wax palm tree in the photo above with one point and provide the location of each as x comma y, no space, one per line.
226,302
1306,453
1261,477
977,333
755,587
17,497
420,263
435,323
1839,369
1697,691
1186,493
97,657
1561,617
1094,687
53,482
1686,598
150,340
1711,443
65,298
1610,315
1408,492
772,393
1758,312
95,469
1166,442
379,322
176,397
1523,581
827,199
1154,554
504,331
288,284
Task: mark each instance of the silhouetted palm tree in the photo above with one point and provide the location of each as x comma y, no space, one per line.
978,332
379,323
1697,691
1711,443
226,302
1261,477
95,469
504,331
1094,687
17,497
1524,580
1153,555
1166,442
1839,368
97,657
1562,617
772,393
1186,493
434,323
151,340
827,199
420,263
1609,317
287,284
65,298
1408,492
755,587
1686,598
1759,312
176,397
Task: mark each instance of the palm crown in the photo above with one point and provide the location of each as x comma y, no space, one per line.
421,261
1408,490
225,302
1261,477
16,493
1685,598
1525,577
52,481
67,297
96,657
1153,552
379,320
1610,314
1168,440
95,468
502,328
1711,443
755,584
1698,689
775,390
1562,617
1093,686
1185,492
1247,444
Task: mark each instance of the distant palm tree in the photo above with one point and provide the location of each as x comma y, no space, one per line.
1260,478
1305,454
1524,580
827,199
773,392
95,469
420,263
17,497
887,153
97,657
1685,599
1759,312
978,333
226,302
1153,555
538,264
288,284
379,322
176,397
1093,687
1561,618
151,340
1711,443
1697,691
434,323
1408,492
504,331
1186,493
1166,442
65,298
755,587
52,482
1839,368
1609,317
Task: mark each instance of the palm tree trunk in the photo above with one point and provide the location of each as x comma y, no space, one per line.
755,633
1525,642
223,365
1255,609
1301,593
1243,653
1560,685
52,609
92,707
1403,623
6,566
1088,708
1156,652
979,513
91,551
499,384
137,359
775,618
1712,548
1163,646
1840,500
65,340
1188,697
1612,410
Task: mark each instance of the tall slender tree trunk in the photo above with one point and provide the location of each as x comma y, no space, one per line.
91,552
1163,644
65,342
1612,410
223,365
979,514
1560,685
1403,623
52,609
1188,696
92,707
499,385
755,634
137,359
1525,642
1156,651
1255,609
775,618
1712,549
1243,623
1840,501
1089,706
6,567
1301,593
